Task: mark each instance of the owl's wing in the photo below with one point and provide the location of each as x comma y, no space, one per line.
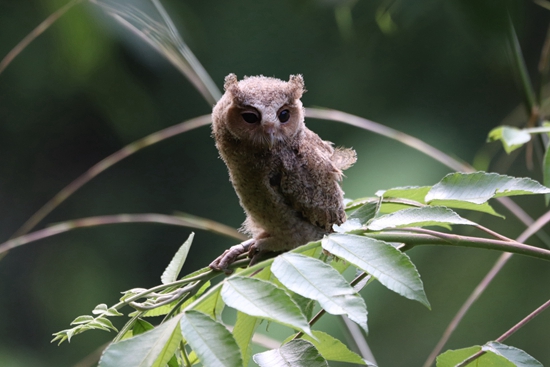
309,182
343,158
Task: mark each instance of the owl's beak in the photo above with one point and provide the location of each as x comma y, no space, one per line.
269,130
271,140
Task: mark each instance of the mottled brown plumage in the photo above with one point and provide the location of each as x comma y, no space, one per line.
285,175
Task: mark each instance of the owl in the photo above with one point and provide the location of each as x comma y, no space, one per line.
285,175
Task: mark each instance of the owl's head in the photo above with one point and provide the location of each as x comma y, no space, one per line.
261,110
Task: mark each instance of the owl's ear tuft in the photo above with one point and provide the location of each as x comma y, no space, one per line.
231,82
296,86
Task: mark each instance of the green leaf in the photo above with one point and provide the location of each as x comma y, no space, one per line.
365,212
390,266
263,299
296,353
141,326
483,208
418,217
173,362
104,322
84,319
358,217
517,356
333,349
352,205
411,196
113,312
479,187
99,309
152,348
172,271
211,303
96,324
414,193
349,225
212,342
453,357
158,311
61,336
511,137
244,329
314,279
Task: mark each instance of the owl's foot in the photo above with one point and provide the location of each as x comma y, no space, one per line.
229,256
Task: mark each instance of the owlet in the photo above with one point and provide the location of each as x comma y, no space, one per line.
286,177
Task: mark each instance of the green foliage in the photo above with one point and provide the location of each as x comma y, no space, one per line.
172,271
278,290
152,348
477,188
511,137
312,278
333,349
210,340
390,266
419,217
494,354
299,353
263,299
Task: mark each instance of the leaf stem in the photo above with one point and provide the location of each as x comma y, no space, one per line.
428,237
493,233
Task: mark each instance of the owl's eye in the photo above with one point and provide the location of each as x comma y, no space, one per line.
284,115
250,117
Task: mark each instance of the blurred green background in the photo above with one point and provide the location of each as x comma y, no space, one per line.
438,70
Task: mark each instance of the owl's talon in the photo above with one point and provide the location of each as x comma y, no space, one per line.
229,256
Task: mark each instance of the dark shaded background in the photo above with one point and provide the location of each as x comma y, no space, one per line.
439,71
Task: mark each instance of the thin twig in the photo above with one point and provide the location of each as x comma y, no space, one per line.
411,240
108,162
359,340
391,133
481,287
508,333
193,222
502,260
35,33
493,233
464,241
